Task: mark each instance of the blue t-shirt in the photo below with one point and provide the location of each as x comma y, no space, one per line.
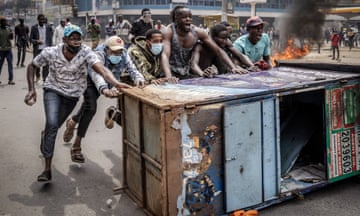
254,52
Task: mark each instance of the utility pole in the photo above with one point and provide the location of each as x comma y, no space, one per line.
253,9
94,7
43,6
224,10
253,5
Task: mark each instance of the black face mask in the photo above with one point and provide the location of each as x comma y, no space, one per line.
73,49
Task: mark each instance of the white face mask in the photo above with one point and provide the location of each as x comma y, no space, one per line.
156,48
115,59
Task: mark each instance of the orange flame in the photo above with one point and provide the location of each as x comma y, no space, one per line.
291,52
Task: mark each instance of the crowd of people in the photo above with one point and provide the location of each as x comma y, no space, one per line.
146,52
192,58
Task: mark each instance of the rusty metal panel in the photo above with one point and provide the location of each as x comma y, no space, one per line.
243,164
151,132
132,120
173,157
174,135
202,175
133,173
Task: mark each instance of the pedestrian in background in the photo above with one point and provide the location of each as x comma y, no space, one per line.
68,21
335,40
66,82
41,37
159,26
6,35
94,29
141,25
59,32
21,41
110,29
122,28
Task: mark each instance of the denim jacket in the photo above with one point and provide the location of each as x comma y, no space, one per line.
125,64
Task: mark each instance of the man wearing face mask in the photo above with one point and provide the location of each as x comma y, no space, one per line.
141,25
145,53
66,82
114,56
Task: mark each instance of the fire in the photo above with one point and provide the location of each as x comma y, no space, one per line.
291,52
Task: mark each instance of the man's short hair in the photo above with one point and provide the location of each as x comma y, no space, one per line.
175,11
216,29
225,23
40,15
149,33
144,10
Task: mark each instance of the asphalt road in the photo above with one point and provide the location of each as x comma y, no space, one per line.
75,189
85,189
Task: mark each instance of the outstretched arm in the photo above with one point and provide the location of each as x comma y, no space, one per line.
165,55
108,76
195,61
203,36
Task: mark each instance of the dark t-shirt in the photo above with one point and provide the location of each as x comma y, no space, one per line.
22,34
139,28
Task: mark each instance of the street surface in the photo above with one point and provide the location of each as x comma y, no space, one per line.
85,189
80,190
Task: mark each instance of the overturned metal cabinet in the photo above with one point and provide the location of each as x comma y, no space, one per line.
213,146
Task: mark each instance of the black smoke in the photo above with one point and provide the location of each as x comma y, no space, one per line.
305,19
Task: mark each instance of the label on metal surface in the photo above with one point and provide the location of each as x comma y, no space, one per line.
343,136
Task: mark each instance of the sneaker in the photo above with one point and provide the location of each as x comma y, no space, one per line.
44,176
11,82
69,131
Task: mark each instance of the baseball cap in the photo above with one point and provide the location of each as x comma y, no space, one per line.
254,21
68,30
114,43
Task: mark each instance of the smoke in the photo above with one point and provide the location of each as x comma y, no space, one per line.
304,20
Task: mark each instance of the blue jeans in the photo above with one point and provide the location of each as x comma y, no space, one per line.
9,58
57,109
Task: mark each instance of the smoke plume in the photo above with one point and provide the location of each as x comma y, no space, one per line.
305,19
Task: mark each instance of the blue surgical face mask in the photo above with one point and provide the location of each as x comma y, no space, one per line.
115,59
156,48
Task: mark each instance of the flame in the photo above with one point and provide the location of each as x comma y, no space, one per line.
291,52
